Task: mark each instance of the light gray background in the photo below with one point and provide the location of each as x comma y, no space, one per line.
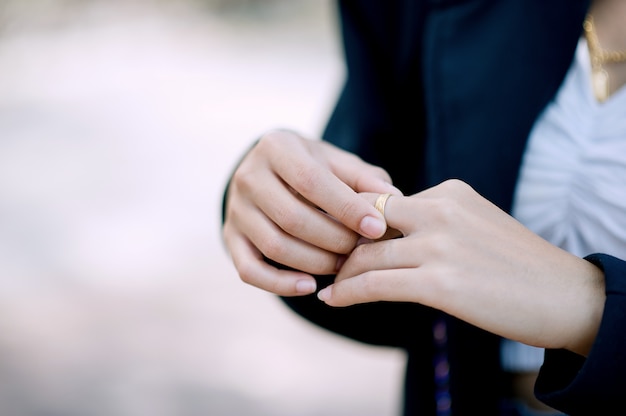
119,124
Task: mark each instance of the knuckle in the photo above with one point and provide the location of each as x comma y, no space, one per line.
438,246
444,210
273,138
306,178
290,220
346,209
272,248
321,267
277,287
444,282
246,272
363,251
456,187
244,179
275,142
344,243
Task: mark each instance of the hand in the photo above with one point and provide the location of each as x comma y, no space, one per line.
461,254
295,201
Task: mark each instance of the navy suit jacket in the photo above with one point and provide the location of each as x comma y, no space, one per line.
444,89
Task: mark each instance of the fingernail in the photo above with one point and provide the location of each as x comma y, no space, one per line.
305,286
372,227
325,293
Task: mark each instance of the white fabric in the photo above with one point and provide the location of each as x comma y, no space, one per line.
572,185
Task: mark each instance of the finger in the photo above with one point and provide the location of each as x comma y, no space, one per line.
378,255
262,189
283,248
339,200
298,218
372,286
254,270
318,184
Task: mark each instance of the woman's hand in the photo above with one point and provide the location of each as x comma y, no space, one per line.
461,254
295,201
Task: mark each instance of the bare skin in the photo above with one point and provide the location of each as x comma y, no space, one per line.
295,201
461,254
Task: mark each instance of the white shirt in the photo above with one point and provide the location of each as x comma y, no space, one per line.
572,185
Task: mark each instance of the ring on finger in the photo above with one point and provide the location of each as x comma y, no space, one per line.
380,203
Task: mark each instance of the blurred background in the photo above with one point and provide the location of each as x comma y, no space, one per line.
120,121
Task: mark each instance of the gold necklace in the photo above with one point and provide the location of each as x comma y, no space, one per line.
599,57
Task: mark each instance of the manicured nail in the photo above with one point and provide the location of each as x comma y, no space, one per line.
305,286
325,293
372,227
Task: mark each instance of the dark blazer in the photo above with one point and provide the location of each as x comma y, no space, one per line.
444,89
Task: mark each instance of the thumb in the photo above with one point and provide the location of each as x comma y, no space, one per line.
373,286
345,293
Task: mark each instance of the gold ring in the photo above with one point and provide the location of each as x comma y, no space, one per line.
380,203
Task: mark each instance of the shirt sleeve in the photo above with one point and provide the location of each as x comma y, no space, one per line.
596,384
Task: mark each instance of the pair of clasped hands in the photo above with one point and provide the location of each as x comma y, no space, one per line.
309,205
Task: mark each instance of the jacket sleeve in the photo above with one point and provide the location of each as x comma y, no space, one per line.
596,384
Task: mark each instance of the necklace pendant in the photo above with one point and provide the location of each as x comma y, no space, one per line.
600,84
